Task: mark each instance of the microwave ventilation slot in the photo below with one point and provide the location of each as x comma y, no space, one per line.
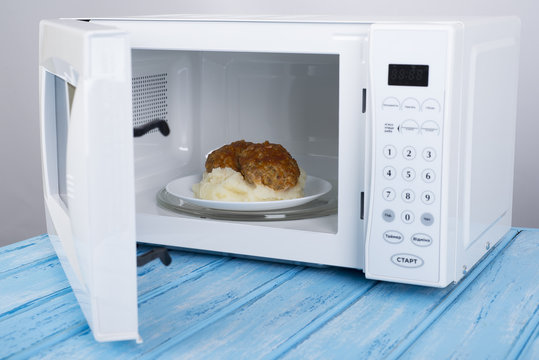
149,99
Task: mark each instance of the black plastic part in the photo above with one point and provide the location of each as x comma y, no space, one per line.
159,124
362,212
364,105
160,253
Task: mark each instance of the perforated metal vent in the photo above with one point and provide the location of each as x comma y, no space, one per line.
149,98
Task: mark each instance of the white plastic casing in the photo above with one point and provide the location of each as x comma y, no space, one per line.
404,234
433,163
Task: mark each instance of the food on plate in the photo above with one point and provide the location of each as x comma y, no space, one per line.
269,164
245,171
226,156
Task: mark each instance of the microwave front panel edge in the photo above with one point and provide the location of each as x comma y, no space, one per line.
86,135
406,228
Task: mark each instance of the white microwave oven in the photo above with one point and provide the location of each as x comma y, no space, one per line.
411,122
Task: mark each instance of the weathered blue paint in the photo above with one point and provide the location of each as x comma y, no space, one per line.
205,306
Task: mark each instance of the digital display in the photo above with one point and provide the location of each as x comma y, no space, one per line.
408,75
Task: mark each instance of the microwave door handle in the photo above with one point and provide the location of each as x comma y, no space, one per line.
158,124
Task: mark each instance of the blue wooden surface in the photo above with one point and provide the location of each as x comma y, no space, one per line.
205,306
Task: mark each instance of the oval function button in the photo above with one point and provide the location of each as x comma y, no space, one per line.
431,105
421,240
410,104
430,128
390,103
407,260
408,127
393,237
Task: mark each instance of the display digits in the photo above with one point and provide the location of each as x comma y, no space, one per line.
408,75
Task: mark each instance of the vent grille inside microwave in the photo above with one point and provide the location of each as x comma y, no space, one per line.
149,98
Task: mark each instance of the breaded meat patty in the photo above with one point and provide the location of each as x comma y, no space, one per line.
268,164
226,156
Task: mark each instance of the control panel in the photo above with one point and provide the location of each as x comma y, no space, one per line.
408,69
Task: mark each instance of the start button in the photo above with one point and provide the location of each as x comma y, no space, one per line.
407,260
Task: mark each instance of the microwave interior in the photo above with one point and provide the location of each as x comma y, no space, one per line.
210,99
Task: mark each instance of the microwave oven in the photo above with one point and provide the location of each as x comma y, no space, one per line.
411,122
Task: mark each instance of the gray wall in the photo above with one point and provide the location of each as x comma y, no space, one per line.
21,203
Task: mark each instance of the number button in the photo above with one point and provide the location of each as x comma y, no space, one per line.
407,217
408,153
389,172
408,174
408,196
428,175
389,194
427,197
429,154
390,151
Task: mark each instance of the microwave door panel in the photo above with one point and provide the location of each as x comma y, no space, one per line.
87,147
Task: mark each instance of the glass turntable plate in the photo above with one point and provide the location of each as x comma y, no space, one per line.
318,201
181,188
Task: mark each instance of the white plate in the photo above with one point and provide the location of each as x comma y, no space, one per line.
181,188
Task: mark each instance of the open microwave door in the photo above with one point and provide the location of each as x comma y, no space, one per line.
88,176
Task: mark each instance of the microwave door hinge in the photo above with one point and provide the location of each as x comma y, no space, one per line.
160,253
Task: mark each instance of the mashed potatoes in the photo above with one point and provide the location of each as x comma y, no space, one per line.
226,184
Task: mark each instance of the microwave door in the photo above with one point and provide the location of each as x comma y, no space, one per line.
88,176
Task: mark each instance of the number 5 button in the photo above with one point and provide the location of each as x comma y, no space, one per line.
408,174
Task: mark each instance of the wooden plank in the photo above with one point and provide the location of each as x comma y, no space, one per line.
45,322
37,325
32,286
23,253
530,350
261,326
197,298
381,321
489,317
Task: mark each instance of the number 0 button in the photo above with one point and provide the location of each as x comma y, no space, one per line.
407,217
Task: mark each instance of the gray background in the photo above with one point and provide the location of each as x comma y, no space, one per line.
21,202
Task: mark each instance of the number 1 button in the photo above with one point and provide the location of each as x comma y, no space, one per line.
390,151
